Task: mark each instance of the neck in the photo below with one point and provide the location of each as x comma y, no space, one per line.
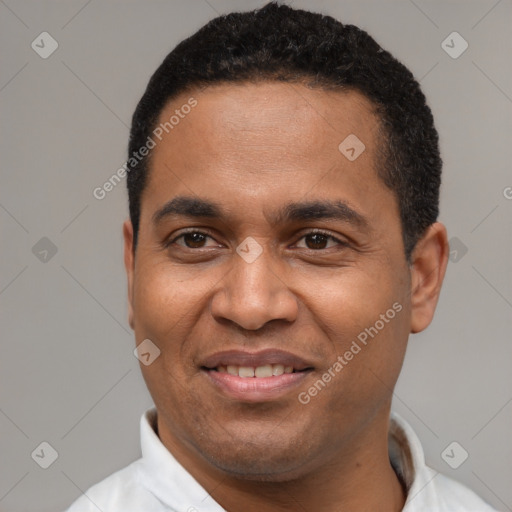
357,477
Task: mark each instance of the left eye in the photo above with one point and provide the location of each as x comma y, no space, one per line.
317,241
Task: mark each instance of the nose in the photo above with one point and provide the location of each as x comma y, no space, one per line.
253,294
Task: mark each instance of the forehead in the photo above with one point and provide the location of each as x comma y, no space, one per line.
267,141
250,116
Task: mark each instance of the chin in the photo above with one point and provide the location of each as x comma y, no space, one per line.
274,460
258,470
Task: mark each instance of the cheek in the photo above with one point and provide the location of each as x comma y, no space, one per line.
165,296
346,301
169,309
365,317
165,311
158,303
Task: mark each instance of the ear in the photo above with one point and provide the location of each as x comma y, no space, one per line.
129,263
429,261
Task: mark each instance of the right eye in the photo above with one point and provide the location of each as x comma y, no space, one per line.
192,239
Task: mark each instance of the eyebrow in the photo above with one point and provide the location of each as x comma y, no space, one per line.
185,206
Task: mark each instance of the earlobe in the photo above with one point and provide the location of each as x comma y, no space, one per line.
129,263
429,261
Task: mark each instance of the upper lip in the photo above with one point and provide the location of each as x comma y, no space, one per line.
255,359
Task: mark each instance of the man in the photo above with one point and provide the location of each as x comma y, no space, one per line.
283,181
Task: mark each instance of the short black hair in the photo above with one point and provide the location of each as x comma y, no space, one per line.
279,43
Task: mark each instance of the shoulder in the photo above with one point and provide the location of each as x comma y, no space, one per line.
455,497
434,491
121,490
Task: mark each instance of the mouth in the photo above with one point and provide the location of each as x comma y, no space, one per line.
255,377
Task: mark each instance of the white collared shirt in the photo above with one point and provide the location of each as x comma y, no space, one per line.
158,483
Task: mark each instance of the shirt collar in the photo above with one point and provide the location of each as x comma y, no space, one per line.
408,460
164,477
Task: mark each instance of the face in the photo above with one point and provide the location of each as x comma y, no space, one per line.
270,273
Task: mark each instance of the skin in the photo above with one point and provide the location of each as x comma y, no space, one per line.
251,148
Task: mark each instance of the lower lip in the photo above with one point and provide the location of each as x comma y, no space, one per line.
255,389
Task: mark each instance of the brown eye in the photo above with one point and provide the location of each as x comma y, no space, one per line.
192,240
316,241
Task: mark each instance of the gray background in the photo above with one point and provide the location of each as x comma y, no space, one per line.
68,375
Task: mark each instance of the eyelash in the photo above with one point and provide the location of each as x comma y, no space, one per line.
341,243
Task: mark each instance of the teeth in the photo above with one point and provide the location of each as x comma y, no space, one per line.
263,371
277,369
245,371
267,370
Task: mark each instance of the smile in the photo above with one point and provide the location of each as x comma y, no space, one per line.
255,377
